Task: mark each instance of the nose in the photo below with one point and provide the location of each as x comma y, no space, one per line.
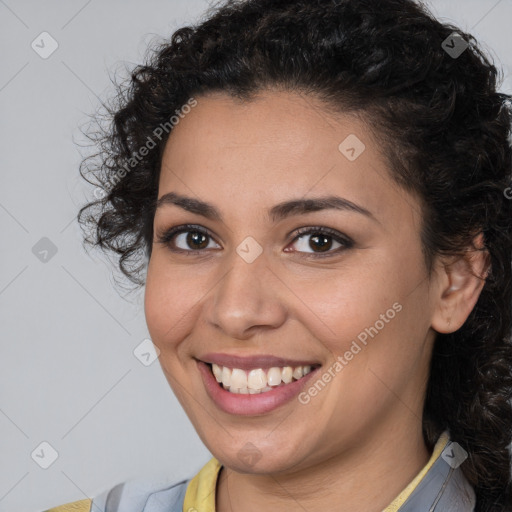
247,299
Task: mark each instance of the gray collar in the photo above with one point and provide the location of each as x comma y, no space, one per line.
444,488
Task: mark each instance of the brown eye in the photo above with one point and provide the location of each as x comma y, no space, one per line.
186,239
321,241
196,240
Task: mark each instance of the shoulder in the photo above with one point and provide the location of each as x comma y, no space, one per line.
136,495
76,506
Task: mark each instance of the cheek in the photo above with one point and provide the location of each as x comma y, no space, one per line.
169,301
377,309
347,300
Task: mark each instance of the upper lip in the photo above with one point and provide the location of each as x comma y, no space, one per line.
252,362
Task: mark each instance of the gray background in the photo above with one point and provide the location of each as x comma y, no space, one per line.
68,374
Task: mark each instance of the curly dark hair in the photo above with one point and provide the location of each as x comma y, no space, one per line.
444,129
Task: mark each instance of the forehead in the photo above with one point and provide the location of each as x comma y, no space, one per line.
286,124
274,147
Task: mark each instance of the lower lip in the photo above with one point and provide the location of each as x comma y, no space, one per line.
246,404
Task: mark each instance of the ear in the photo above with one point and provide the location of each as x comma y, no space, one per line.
460,282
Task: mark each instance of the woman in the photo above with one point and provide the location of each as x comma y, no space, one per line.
318,189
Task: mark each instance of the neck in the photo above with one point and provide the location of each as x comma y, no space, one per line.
364,479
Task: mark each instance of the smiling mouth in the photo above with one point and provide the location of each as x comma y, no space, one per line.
257,380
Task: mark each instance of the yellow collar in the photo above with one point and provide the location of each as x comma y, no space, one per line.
200,493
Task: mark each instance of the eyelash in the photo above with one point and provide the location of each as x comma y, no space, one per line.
167,237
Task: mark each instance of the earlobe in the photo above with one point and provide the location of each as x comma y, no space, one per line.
460,283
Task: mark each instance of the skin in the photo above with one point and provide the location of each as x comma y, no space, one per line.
357,443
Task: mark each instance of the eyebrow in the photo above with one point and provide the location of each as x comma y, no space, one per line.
276,213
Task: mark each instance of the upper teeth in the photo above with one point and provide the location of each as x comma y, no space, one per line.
257,380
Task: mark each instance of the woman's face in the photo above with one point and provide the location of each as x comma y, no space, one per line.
253,294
